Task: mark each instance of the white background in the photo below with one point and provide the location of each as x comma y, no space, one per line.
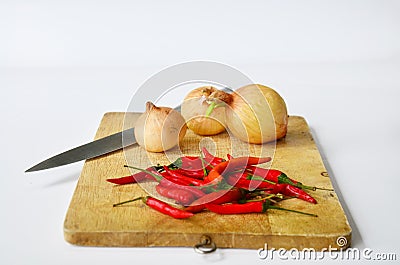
63,64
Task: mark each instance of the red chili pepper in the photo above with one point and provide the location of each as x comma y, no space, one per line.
191,163
233,164
239,180
182,197
161,206
195,191
293,191
138,177
209,158
217,197
198,174
248,207
192,181
175,180
269,174
159,176
279,177
166,208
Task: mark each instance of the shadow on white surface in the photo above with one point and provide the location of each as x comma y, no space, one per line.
356,238
59,180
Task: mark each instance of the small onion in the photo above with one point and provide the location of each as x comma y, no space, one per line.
256,114
194,110
159,128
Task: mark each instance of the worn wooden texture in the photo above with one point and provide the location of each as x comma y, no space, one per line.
92,221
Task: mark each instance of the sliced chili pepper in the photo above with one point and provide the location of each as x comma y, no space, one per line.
233,164
161,206
192,181
195,191
248,207
217,197
182,197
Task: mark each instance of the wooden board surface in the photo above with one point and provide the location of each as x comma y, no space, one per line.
92,221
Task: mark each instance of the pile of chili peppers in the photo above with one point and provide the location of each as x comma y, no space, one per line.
206,182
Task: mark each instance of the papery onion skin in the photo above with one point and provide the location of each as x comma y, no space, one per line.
257,114
194,108
159,129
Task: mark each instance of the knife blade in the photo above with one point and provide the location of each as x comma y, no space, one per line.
90,150
95,148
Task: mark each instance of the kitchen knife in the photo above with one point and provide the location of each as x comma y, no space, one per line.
90,150
93,149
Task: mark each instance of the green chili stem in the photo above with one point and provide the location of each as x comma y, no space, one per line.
289,210
305,187
203,165
157,177
255,177
285,179
269,197
133,200
318,188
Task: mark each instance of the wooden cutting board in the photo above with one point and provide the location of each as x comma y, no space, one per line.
92,221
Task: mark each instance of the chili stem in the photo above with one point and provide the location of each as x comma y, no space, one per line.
269,197
255,177
298,185
318,188
289,210
157,177
133,200
305,187
203,165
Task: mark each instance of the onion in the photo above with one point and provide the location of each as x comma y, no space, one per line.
255,113
159,128
194,110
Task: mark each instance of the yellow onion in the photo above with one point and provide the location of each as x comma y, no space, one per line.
256,114
195,108
159,128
